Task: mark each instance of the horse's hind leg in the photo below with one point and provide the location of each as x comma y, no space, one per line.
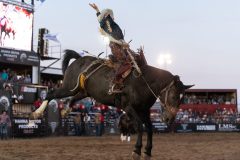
138,146
56,93
77,97
59,93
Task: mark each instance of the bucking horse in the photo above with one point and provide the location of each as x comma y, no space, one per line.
90,76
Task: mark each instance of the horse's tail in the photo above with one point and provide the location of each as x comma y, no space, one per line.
69,54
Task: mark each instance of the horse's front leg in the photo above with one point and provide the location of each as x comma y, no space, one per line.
138,146
148,148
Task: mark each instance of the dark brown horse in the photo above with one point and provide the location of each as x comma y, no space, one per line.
138,96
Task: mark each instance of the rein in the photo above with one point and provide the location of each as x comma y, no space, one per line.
166,90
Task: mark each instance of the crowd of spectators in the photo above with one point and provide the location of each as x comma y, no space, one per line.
11,76
50,84
213,99
92,118
219,116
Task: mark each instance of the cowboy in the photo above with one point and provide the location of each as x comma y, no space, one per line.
118,46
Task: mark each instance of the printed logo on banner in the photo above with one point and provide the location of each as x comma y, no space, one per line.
25,123
4,101
227,127
184,128
161,127
23,57
206,128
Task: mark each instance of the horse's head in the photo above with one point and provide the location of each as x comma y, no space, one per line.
170,98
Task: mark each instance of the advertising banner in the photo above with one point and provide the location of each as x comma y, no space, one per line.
159,126
19,57
228,128
205,127
184,127
24,127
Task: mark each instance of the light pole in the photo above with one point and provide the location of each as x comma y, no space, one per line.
164,60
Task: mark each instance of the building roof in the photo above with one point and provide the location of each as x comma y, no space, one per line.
51,70
211,90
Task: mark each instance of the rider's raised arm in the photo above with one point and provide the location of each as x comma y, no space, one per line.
95,7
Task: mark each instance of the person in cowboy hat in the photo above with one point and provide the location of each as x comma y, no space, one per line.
110,29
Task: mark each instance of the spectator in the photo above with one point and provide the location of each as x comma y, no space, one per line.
4,75
37,103
77,124
14,77
102,123
5,122
87,120
21,79
8,89
27,79
1,83
98,124
83,131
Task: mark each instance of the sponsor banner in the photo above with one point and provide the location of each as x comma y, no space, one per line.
159,126
184,127
19,57
206,127
25,127
228,128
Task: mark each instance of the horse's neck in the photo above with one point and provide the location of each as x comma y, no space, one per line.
157,78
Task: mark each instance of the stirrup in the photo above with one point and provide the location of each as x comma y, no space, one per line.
112,90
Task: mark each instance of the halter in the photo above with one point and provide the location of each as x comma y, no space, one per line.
166,90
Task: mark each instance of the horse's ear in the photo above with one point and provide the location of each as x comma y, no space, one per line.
176,78
188,86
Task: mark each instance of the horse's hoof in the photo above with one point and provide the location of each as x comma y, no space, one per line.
135,156
146,157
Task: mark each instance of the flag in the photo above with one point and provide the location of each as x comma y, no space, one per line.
51,37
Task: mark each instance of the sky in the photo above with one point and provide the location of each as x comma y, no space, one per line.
202,36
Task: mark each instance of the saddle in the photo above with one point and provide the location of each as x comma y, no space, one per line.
122,70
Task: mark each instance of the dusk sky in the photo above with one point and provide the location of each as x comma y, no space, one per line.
202,36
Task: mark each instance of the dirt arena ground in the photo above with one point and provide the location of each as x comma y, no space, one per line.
189,146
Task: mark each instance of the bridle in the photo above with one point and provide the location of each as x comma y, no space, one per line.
157,96
166,90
